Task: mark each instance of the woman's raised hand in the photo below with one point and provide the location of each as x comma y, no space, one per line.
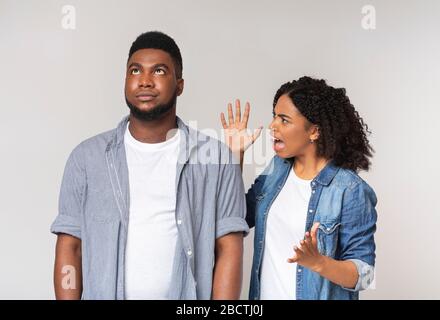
237,137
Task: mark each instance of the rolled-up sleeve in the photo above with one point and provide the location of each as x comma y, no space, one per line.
357,233
231,202
365,275
71,197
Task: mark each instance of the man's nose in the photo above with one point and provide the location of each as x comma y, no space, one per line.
145,81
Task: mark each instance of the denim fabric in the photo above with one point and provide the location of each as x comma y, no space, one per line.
344,205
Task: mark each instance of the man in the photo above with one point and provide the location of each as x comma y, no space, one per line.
152,209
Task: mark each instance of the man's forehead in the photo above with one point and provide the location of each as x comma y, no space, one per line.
150,57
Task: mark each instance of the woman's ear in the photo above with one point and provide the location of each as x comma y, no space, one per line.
314,133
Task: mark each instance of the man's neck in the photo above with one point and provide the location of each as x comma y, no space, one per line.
154,131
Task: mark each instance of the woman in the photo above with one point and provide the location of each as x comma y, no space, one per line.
314,217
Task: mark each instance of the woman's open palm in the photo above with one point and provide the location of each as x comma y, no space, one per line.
237,137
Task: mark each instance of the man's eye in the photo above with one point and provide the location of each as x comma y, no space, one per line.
159,71
134,71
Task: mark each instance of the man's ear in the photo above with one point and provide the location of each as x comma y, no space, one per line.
180,85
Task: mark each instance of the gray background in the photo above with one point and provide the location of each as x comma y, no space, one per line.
58,87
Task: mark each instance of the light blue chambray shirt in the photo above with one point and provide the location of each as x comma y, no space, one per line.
94,207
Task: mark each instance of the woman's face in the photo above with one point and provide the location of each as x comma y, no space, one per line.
292,132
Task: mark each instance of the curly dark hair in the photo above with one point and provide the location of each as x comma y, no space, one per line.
342,132
162,41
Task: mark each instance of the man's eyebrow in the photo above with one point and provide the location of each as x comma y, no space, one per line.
163,65
134,64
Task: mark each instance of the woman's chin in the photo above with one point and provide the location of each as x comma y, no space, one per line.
283,153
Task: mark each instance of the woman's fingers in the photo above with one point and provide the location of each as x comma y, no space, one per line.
237,112
310,244
223,120
305,247
296,256
256,134
308,239
230,115
247,110
313,232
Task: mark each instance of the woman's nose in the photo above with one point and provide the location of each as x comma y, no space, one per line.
272,126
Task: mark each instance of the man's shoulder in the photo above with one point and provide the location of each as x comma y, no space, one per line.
209,148
93,146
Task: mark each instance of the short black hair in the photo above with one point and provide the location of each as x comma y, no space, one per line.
161,41
342,132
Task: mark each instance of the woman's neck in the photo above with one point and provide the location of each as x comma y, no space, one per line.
308,167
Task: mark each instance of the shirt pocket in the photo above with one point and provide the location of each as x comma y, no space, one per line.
328,235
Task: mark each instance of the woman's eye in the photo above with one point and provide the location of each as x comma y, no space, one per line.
284,121
134,71
159,71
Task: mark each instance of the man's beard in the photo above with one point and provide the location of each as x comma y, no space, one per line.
154,113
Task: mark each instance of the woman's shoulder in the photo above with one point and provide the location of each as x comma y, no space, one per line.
347,178
353,184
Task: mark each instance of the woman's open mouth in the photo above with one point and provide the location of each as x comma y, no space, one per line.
278,145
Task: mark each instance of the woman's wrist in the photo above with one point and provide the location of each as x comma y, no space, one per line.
320,265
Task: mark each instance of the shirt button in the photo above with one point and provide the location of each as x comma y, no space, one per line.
313,191
328,229
189,252
179,221
310,210
299,270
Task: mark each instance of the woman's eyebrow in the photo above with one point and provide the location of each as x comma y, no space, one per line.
282,115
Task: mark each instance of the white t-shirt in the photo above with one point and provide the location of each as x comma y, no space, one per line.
152,230
285,227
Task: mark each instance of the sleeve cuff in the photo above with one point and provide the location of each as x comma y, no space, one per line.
365,273
66,224
229,225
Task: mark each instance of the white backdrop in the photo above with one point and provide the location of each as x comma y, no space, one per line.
59,86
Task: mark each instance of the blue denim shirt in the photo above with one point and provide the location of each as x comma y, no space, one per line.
343,204
94,207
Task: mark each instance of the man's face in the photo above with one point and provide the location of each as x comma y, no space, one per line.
151,85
